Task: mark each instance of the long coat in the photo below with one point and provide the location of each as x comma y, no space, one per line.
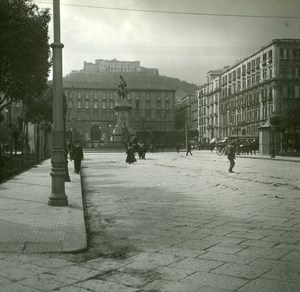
130,155
77,154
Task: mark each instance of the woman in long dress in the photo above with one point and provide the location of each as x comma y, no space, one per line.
130,154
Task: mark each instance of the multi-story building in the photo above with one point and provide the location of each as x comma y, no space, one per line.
186,118
260,89
91,113
202,118
115,66
213,101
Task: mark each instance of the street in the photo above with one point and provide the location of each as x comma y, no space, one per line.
176,223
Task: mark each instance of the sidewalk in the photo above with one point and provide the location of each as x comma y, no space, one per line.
268,157
28,224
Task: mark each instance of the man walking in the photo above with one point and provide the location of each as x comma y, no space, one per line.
77,155
188,150
231,156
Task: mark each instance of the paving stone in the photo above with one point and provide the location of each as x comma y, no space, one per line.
102,264
52,262
18,273
260,243
226,248
283,274
156,258
47,282
267,285
132,278
172,274
168,286
293,256
241,271
182,252
274,264
196,244
16,287
267,253
196,264
105,286
246,235
225,239
281,239
72,288
75,272
4,281
215,281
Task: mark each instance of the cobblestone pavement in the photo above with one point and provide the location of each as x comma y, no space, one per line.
173,223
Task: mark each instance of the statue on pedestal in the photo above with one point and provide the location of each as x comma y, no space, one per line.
122,89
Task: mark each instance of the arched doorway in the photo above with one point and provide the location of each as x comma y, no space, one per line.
95,134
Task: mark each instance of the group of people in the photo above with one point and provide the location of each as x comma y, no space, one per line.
76,153
133,148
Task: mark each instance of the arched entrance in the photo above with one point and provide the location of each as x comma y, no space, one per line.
95,134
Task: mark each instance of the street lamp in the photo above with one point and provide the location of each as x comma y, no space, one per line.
58,171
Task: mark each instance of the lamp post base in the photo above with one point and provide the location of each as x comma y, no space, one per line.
58,202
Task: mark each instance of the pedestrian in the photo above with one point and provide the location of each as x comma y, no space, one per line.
189,148
231,156
77,155
130,154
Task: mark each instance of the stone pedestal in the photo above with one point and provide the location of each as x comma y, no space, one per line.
121,133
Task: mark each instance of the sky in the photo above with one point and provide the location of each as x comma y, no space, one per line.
181,38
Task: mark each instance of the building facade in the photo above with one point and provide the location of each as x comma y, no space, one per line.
261,88
91,114
113,66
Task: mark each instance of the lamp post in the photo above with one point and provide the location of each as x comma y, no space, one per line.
58,196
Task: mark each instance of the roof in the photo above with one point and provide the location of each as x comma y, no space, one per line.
111,81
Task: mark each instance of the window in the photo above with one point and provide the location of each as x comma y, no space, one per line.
158,114
270,56
257,61
296,91
87,103
137,102
264,73
244,69
104,104
95,104
78,103
257,77
148,115
248,67
253,65
264,59
167,115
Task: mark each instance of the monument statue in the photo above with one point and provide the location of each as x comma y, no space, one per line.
122,134
122,89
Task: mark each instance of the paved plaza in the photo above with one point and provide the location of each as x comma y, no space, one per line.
169,223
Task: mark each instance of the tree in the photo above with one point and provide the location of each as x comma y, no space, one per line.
39,111
24,51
